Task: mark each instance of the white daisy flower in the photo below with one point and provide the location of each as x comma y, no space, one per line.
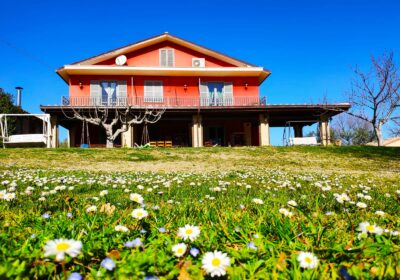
366,227
380,213
139,213
136,198
189,232
215,263
307,260
60,247
361,205
179,249
92,208
257,201
103,193
285,212
292,203
121,228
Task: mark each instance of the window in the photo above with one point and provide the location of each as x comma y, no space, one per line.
167,57
153,91
108,93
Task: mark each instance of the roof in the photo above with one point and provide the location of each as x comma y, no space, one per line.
89,63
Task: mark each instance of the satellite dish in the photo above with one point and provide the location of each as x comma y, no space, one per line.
120,60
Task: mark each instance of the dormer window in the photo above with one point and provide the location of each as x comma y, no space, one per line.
167,57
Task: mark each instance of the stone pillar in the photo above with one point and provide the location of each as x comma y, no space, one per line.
264,130
324,132
54,132
71,136
247,133
197,131
127,139
298,130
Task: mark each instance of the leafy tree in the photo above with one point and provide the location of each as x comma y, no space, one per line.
351,130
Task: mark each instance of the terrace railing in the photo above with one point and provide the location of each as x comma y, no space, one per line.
167,102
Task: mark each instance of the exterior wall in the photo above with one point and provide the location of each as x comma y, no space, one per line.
173,86
149,56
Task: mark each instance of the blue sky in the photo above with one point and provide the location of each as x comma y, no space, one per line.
309,46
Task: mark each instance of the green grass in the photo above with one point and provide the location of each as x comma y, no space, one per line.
218,198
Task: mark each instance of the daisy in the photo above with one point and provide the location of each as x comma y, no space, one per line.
179,249
136,198
342,198
91,208
257,201
292,203
366,227
361,205
380,213
189,232
285,212
103,193
215,263
60,247
139,213
307,260
121,228
9,196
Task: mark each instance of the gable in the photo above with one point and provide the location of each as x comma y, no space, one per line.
150,57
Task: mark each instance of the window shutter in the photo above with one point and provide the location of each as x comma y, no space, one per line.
170,57
95,93
153,91
122,93
228,93
163,57
158,91
203,93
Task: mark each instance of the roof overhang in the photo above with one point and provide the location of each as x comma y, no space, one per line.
70,70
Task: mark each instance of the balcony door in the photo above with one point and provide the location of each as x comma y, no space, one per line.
216,93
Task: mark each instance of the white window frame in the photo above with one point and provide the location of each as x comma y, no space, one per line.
166,58
151,95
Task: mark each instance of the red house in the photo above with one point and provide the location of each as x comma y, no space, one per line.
209,98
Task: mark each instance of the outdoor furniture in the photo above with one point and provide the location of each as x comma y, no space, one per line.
305,141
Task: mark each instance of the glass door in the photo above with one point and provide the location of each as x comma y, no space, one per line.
215,93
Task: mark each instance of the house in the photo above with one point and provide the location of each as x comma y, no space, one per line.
391,142
209,98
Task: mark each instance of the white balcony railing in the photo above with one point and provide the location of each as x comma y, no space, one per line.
237,101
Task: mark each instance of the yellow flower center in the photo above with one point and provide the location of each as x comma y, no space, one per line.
189,231
216,262
370,228
180,251
139,214
308,260
135,198
62,246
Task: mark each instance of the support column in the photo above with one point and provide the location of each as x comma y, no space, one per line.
54,132
197,131
324,131
298,130
127,139
71,137
264,130
247,133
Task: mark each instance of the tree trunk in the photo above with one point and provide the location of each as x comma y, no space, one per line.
110,143
378,134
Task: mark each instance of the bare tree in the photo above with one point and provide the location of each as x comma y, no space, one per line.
375,95
351,130
115,120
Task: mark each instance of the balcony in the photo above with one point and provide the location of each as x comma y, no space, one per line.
164,102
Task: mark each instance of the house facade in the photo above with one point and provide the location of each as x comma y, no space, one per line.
209,98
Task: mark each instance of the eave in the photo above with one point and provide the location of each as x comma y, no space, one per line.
70,70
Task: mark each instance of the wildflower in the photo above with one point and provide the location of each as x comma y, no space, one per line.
134,243
136,198
74,276
42,198
307,260
361,205
60,247
107,208
366,227
9,196
257,201
215,263
292,203
380,213
139,213
121,228
162,230
252,246
103,193
91,208
285,212
341,198
46,216
189,232
69,214
194,251
108,264
179,249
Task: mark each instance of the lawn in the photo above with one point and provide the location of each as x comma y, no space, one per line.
238,213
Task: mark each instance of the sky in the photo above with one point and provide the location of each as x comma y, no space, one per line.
311,47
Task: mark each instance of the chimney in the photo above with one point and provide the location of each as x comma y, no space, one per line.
19,96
